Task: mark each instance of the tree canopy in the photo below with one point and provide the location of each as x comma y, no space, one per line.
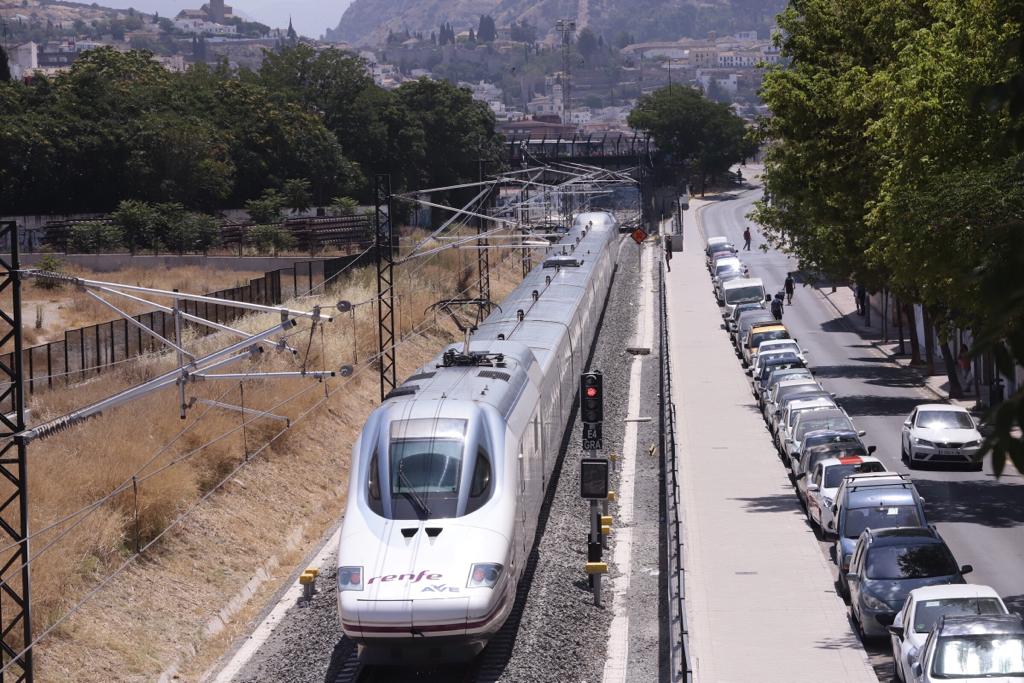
885,163
119,126
706,136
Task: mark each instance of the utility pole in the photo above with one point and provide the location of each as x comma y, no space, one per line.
567,29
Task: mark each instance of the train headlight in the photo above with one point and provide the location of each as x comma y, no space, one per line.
350,578
484,575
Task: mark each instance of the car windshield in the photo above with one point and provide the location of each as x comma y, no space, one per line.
834,475
758,337
910,562
928,612
812,423
743,308
783,362
879,517
944,419
721,246
739,295
425,463
979,656
837,439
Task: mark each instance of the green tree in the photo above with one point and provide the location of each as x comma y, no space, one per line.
270,238
266,209
486,30
344,206
138,222
94,237
5,66
190,231
296,195
706,136
586,43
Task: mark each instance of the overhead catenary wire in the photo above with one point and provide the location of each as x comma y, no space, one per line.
417,331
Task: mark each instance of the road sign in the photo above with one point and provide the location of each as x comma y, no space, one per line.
592,440
639,235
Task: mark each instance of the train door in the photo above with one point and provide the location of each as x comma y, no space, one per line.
521,507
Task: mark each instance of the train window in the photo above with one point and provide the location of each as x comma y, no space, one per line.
425,467
373,486
480,489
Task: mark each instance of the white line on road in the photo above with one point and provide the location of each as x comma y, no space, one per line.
617,660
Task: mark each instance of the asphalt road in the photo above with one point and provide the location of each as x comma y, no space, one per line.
980,517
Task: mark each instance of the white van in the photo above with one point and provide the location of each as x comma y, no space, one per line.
741,291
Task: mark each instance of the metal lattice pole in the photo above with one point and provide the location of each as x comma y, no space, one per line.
527,265
15,606
482,259
385,283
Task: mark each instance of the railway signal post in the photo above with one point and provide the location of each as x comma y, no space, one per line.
594,476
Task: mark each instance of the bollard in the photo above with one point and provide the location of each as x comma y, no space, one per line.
308,581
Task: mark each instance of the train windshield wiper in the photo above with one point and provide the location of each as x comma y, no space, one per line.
410,493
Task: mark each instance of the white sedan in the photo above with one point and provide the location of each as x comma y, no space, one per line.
940,433
778,346
925,606
819,489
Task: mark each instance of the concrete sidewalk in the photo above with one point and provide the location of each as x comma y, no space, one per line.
760,598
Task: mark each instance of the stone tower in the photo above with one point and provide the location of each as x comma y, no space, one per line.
217,10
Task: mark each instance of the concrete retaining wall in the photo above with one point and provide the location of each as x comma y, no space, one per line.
104,263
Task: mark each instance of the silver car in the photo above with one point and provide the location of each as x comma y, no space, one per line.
962,649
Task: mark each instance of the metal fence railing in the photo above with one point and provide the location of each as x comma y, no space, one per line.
678,639
89,351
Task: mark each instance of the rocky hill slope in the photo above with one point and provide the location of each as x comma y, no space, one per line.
367,22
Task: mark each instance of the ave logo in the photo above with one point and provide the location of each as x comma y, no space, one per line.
440,588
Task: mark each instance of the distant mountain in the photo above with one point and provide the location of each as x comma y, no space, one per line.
367,22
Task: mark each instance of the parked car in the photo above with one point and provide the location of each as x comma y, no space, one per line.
761,333
962,649
833,420
777,345
940,433
924,608
783,361
889,563
717,248
790,412
746,321
732,320
782,389
784,398
879,500
820,475
783,376
725,269
712,241
743,291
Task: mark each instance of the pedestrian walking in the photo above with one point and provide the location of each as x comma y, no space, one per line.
963,361
862,299
746,238
790,286
777,306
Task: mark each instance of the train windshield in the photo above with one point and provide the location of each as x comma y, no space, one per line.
425,467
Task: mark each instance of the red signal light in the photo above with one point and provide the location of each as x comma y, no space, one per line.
591,392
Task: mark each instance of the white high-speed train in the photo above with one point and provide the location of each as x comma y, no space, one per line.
449,473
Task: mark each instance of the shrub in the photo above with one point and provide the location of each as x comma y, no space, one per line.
52,264
94,237
191,232
270,238
266,209
139,221
344,206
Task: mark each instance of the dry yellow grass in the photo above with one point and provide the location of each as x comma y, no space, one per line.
280,503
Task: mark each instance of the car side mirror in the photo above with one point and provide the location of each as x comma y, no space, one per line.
810,487
778,413
916,669
906,423
768,297
896,631
794,455
835,511
872,449
922,500
831,525
801,476
966,569
851,576
861,432
748,371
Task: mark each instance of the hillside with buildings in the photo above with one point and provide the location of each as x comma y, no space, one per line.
368,22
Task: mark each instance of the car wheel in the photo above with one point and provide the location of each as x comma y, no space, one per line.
978,466
842,591
858,629
911,464
903,451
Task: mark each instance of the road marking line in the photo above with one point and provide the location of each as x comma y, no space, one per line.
617,659
266,627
